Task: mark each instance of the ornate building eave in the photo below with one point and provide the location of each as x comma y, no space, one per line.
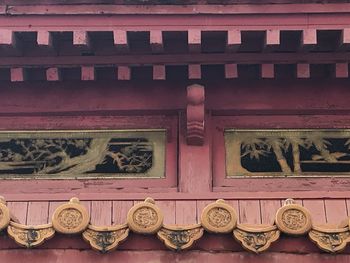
146,218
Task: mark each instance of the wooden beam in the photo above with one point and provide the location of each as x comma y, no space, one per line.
156,41
308,39
7,37
17,74
194,71
231,71
267,71
179,59
81,38
44,38
124,73
345,39
159,72
303,71
121,40
342,70
234,40
194,40
272,41
53,74
87,73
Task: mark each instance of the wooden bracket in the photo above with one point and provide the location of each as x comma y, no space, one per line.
195,114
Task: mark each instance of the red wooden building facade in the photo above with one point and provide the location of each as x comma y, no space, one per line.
183,102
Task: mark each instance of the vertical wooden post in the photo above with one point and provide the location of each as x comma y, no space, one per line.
17,74
231,71
233,40
267,71
303,71
156,41
124,73
194,71
159,72
194,40
53,74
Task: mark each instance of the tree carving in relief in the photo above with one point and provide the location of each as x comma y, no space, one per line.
289,152
75,156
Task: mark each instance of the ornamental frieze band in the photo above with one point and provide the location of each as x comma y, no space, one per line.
146,218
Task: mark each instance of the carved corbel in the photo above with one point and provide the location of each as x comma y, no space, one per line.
145,217
30,236
5,215
219,217
330,239
195,114
180,237
105,239
293,219
256,238
70,218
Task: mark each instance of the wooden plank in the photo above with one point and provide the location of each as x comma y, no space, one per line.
272,40
7,37
268,210
52,207
267,71
124,73
194,71
234,204
201,204
303,71
53,74
120,211
249,212
309,39
317,210
19,210
17,74
38,213
177,59
336,210
88,73
121,40
185,212
341,70
101,213
159,72
156,41
231,71
169,210
87,205
81,38
44,38
194,40
234,40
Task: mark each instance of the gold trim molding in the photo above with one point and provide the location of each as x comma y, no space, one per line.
147,218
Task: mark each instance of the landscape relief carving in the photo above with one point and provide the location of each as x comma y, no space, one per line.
59,154
287,152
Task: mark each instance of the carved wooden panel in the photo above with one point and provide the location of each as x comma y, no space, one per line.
284,152
85,154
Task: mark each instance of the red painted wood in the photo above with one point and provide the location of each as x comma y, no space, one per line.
194,178
87,73
342,70
52,207
317,210
336,211
231,71
249,212
303,71
267,71
87,205
201,204
194,71
124,73
53,74
291,8
101,213
120,211
169,211
159,72
186,212
156,41
19,210
121,40
268,210
194,40
38,213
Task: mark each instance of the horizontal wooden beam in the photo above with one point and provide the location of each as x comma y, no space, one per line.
179,59
42,9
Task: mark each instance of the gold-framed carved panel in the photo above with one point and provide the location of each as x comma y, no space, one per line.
287,152
72,154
